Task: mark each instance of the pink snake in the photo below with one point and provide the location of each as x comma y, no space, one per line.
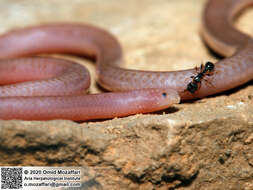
40,88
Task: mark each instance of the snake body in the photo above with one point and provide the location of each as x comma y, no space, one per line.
40,88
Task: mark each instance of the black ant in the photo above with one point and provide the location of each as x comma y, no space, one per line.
194,85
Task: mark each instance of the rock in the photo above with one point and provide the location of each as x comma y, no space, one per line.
202,144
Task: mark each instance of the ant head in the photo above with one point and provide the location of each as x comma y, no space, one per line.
209,66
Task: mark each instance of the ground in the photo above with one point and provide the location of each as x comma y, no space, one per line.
203,144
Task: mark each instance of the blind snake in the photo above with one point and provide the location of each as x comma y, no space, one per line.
40,88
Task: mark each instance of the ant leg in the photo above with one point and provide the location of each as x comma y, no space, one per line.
209,83
198,70
212,73
199,85
209,80
201,67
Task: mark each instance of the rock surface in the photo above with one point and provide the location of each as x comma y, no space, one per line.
203,144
